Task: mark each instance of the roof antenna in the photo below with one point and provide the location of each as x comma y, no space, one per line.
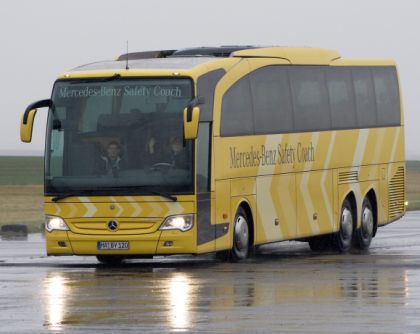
126,59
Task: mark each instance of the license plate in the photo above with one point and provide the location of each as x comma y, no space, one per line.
112,245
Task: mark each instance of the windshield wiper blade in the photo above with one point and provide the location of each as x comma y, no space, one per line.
103,191
168,196
66,195
62,196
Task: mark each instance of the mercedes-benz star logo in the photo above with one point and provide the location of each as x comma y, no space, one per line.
112,225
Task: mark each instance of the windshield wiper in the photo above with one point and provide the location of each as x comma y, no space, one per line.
102,191
62,196
66,195
168,196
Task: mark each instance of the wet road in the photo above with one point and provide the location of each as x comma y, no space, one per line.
285,288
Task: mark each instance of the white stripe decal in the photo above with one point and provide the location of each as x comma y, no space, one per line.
267,205
394,149
136,206
324,175
91,209
360,148
379,146
305,189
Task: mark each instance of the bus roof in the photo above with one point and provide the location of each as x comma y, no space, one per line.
187,60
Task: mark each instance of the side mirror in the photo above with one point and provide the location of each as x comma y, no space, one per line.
191,119
27,122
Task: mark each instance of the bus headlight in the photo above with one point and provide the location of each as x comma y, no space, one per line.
55,223
178,222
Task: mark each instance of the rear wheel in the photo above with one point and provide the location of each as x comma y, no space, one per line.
363,235
110,259
240,249
342,239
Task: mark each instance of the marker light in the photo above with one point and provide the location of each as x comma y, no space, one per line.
55,223
178,222
406,203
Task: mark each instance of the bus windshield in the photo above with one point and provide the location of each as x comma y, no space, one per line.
118,137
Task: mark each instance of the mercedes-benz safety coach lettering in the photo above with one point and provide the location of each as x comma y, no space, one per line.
147,91
264,156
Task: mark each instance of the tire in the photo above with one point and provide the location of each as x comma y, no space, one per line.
320,243
363,235
111,260
342,240
241,240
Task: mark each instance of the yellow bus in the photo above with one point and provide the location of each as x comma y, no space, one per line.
221,150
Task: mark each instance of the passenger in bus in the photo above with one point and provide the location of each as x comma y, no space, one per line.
111,162
179,156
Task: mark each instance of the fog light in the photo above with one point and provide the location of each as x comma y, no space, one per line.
178,222
168,243
55,223
61,244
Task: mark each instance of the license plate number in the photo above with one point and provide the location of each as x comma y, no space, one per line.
112,245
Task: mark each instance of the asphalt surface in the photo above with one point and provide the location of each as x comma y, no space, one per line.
284,288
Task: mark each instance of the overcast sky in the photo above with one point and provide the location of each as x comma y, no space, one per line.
40,39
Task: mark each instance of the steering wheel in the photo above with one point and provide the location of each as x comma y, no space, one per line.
161,166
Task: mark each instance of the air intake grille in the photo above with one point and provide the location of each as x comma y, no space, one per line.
348,177
396,194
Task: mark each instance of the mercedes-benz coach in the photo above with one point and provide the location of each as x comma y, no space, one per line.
220,150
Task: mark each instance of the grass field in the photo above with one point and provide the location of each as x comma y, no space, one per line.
21,190
21,170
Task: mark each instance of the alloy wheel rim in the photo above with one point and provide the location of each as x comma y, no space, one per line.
241,234
346,224
367,222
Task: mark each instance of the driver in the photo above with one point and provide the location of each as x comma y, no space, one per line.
111,162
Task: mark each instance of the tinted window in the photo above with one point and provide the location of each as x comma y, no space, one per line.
237,116
341,96
365,97
203,158
387,95
271,99
311,109
206,85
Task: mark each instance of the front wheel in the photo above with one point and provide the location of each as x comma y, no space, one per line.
342,239
363,235
240,249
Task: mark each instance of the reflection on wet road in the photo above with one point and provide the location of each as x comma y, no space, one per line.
284,288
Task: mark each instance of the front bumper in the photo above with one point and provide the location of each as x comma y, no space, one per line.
157,243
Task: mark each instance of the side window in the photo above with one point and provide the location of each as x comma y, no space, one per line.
365,97
206,84
272,103
237,115
387,96
310,101
203,158
341,96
